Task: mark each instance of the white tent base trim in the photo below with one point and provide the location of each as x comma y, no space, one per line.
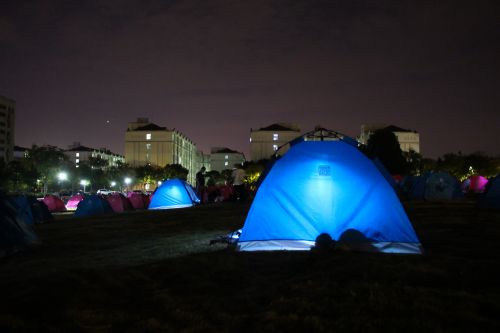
173,206
304,245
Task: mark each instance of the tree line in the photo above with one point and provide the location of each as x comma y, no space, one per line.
384,145
39,172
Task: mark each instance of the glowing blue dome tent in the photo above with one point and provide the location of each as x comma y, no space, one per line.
173,193
327,187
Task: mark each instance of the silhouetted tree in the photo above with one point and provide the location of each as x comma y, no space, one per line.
214,178
149,174
175,171
383,144
47,160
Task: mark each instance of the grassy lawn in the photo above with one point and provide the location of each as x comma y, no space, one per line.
154,271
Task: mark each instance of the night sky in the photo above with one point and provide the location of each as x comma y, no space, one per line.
213,69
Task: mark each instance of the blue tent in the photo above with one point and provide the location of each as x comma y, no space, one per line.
173,193
491,196
327,187
14,233
414,186
442,186
93,205
30,210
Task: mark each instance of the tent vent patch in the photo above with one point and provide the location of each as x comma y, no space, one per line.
324,170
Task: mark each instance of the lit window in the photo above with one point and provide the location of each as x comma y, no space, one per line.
275,137
148,136
275,147
148,146
77,154
250,139
77,160
226,157
226,163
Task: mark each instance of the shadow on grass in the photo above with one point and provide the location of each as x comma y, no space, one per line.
154,271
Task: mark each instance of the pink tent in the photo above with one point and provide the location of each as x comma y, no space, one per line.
138,200
477,184
54,204
73,202
118,202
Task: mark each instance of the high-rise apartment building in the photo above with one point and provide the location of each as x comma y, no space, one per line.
78,154
7,124
148,143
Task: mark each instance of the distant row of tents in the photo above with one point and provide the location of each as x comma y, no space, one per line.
441,186
319,189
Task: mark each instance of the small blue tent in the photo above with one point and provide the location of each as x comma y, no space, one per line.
93,205
173,193
414,186
491,196
30,210
327,187
442,186
15,235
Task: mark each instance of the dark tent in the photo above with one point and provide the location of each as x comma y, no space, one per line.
491,196
30,210
15,235
93,205
442,186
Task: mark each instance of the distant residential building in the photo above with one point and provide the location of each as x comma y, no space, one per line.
78,154
225,158
265,141
408,139
148,143
20,153
7,125
203,160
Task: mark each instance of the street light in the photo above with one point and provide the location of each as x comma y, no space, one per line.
62,176
84,183
127,181
113,184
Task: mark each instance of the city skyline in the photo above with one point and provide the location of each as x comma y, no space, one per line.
83,71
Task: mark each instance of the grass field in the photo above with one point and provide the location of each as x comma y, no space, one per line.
153,271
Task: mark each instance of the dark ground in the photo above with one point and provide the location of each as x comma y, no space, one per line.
154,271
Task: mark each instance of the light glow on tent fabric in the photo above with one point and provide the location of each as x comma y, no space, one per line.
173,193
326,187
477,184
